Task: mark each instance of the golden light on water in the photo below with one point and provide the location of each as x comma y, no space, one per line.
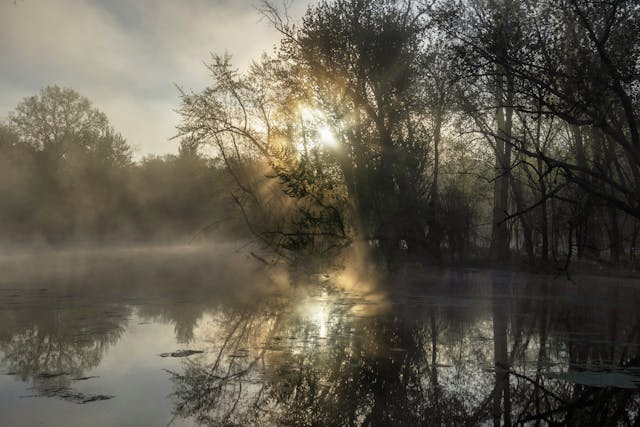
317,312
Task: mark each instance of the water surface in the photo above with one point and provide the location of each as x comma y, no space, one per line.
204,336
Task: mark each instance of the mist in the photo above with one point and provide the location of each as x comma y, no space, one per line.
357,212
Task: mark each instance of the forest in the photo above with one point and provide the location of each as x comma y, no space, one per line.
438,132
69,177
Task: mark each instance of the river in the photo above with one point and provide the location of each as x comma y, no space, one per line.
185,336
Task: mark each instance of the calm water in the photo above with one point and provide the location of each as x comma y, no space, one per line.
192,336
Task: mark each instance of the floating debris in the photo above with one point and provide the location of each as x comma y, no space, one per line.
96,397
242,352
65,393
598,379
181,353
47,375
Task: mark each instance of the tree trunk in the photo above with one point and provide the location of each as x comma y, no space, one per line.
435,228
504,115
527,232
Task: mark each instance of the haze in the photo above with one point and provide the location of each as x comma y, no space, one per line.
373,213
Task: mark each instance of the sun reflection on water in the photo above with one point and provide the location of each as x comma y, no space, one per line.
317,313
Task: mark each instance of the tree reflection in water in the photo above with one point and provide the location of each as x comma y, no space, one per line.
474,349
456,348
50,344
61,312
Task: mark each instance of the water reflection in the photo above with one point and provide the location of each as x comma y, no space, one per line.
60,313
51,345
476,349
450,348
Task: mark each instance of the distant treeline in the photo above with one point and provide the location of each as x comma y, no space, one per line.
67,176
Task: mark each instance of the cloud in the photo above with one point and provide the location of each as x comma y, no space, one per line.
125,56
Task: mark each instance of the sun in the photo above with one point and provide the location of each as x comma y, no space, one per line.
326,136
323,135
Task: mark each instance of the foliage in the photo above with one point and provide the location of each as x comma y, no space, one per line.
68,176
430,131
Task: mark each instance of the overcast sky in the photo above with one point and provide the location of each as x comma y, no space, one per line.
125,56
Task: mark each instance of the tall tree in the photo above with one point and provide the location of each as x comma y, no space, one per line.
60,120
75,160
362,63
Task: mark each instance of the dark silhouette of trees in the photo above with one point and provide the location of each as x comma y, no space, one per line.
552,87
362,60
352,70
536,100
286,188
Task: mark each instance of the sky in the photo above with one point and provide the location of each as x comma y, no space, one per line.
127,56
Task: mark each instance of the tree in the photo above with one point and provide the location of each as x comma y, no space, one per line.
582,67
576,61
532,73
439,99
70,162
59,121
486,89
286,188
360,63
388,87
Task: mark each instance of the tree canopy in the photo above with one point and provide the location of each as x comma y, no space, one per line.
537,100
